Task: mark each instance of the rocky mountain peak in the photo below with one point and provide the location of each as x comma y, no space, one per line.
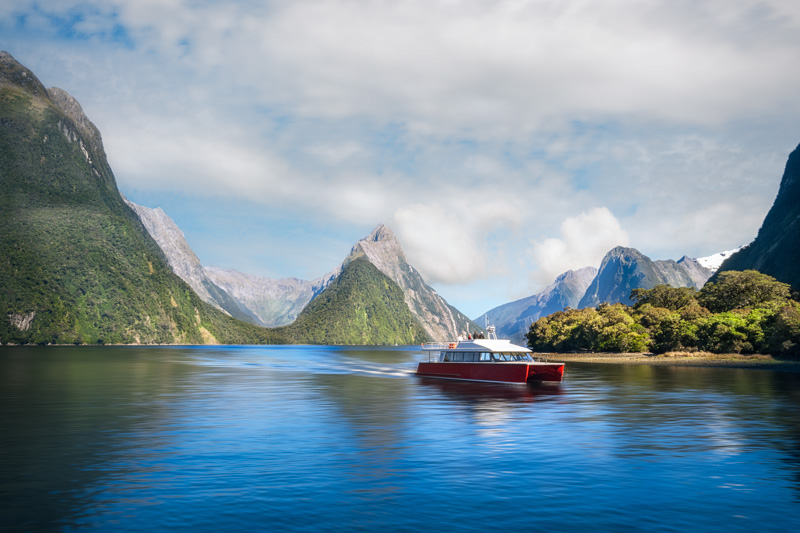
381,233
622,252
73,110
14,74
383,250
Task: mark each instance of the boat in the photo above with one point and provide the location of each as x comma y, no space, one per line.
487,359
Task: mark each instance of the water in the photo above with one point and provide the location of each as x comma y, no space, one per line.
344,439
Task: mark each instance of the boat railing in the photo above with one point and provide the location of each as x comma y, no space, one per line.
431,346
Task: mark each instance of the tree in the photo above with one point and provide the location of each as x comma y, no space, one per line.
672,298
743,290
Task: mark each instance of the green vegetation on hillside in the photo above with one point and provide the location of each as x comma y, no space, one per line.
361,306
76,265
741,312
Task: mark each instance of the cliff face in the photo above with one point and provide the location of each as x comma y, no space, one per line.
77,264
776,249
441,321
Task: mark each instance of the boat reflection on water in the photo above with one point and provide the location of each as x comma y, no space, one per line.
475,391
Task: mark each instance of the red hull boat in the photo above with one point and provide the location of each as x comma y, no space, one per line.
490,360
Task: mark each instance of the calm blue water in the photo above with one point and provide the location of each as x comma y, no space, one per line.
342,439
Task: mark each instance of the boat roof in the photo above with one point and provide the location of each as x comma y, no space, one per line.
481,345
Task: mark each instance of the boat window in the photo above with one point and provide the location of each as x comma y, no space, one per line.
472,357
446,357
486,356
458,356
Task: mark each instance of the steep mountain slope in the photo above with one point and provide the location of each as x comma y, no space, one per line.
276,302
625,269
776,249
76,264
360,306
513,319
441,321
185,263
695,269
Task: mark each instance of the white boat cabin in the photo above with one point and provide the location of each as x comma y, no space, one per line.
477,351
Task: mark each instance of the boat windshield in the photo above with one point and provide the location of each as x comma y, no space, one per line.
476,357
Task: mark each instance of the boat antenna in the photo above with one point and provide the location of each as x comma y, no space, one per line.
490,332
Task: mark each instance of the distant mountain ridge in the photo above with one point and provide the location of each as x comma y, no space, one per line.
624,269
621,271
513,319
276,302
776,249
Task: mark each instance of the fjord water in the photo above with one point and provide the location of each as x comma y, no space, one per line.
338,439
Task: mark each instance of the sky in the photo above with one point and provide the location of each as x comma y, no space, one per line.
503,141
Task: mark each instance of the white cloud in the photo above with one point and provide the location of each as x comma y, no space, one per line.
447,120
449,242
584,240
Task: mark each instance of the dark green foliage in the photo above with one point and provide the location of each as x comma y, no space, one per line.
76,265
609,328
754,314
673,298
362,306
741,290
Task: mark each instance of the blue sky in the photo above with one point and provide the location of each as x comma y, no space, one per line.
503,141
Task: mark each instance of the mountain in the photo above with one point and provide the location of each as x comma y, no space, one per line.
360,306
441,321
185,263
276,302
776,249
258,300
625,269
76,264
512,320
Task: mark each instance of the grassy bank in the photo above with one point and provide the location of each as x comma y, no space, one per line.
699,359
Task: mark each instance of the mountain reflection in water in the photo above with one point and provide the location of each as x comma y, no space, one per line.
343,438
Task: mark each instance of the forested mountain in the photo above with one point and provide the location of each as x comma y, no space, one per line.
76,264
776,249
441,321
360,306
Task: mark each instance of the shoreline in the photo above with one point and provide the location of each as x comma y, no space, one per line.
700,359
